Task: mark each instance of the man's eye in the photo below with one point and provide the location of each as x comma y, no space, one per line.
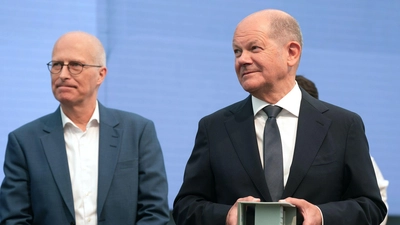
74,64
56,64
237,52
255,48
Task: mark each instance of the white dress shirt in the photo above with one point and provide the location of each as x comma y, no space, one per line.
83,153
287,122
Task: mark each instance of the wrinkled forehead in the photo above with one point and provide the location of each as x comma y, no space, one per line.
250,32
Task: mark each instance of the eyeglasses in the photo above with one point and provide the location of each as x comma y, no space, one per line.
74,68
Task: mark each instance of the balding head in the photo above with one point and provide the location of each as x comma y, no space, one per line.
85,41
280,25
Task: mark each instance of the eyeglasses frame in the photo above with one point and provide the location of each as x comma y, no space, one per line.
49,66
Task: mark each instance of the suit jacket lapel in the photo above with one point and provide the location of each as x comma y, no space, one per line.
54,148
240,127
109,143
311,131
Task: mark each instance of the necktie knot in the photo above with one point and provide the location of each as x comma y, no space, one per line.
272,111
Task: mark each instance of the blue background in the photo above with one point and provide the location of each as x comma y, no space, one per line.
172,62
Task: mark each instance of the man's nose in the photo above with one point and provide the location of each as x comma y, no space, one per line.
244,58
64,73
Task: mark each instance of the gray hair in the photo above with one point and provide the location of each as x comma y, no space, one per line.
285,28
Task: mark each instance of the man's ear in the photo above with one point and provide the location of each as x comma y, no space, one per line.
102,75
294,53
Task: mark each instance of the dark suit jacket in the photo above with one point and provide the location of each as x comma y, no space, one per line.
331,166
132,185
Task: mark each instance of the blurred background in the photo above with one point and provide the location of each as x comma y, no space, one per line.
172,62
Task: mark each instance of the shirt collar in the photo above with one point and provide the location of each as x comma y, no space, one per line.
290,102
95,116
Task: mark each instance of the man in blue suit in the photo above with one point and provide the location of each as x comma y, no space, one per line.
327,171
84,163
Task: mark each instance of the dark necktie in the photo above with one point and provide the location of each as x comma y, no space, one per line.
273,160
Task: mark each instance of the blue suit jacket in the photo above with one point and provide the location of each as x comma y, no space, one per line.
132,185
331,166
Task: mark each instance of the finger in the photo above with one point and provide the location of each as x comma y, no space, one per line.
295,201
248,199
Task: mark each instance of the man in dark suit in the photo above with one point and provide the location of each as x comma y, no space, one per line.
84,163
327,171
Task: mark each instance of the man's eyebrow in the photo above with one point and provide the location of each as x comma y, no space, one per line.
254,42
